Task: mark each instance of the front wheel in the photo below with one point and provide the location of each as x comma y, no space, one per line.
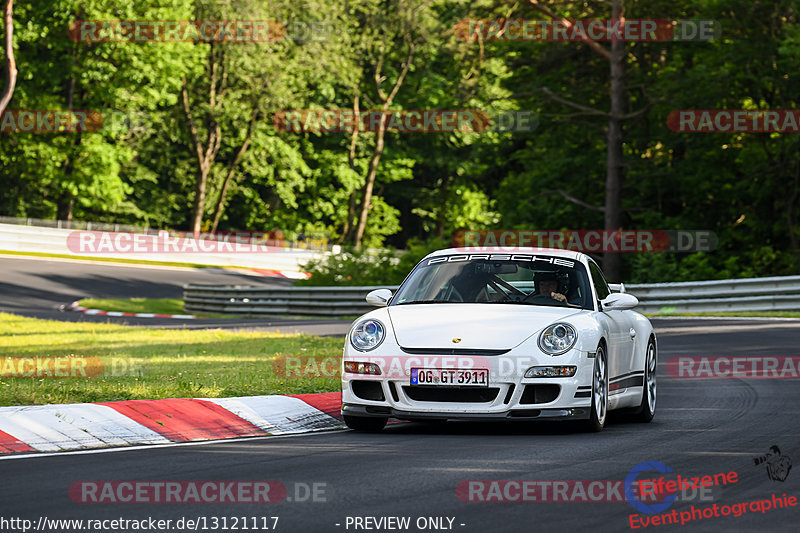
599,409
368,424
647,409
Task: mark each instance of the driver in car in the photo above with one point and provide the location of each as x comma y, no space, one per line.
547,285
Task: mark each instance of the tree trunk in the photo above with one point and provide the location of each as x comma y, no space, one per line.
372,170
613,204
223,193
205,155
612,264
64,207
66,202
11,65
348,231
790,210
199,201
371,173
441,216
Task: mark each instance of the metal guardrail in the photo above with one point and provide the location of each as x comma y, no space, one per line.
751,294
75,224
727,295
303,301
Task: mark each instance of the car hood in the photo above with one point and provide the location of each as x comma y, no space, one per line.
479,326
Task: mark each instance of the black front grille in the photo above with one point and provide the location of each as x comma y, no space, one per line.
544,393
453,351
451,394
367,390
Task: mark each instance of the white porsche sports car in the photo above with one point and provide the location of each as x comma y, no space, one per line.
536,334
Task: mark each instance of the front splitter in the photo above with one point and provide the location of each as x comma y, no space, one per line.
573,413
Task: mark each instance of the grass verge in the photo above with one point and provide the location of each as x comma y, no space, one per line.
159,306
174,306
145,363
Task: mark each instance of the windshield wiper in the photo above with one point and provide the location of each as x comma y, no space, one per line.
428,302
518,302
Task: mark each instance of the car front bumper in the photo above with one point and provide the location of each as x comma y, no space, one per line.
509,395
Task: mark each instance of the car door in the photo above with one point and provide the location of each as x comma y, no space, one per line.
620,326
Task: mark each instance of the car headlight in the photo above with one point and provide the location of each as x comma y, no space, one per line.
557,339
367,335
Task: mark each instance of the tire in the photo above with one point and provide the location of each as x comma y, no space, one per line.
367,424
647,409
599,409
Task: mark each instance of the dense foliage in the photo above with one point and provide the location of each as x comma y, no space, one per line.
145,165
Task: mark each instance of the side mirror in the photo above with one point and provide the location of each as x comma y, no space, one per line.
620,301
379,297
617,287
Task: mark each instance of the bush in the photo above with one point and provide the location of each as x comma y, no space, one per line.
368,267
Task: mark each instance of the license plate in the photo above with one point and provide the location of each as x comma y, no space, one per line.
450,377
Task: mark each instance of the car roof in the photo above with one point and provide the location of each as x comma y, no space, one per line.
569,254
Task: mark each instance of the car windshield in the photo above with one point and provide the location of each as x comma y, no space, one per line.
497,278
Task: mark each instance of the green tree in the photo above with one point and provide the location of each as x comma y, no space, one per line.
243,84
54,175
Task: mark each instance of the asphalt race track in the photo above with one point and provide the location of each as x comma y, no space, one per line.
37,287
702,427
